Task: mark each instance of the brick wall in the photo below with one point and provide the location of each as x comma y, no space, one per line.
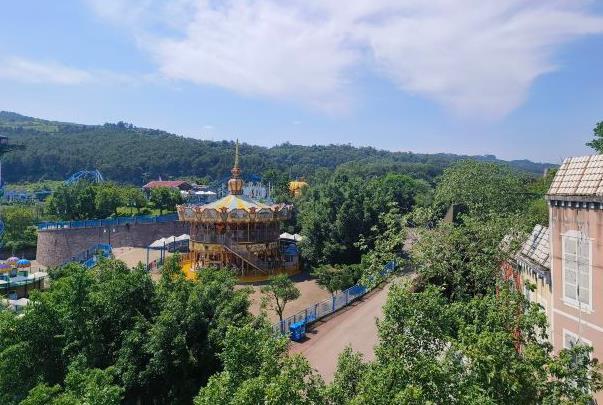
58,245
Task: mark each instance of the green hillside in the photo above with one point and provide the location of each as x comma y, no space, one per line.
124,153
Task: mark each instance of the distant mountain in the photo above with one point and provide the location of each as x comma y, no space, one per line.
125,153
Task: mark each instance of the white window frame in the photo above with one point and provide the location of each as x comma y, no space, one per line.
571,301
574,336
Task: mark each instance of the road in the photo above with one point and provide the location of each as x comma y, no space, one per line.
354,326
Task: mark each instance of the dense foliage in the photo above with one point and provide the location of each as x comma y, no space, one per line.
84,200
123,153
456,334
481,187
111,334
597,142
19,228
453,333
337,213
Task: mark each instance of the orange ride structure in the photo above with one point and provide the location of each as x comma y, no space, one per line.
238,232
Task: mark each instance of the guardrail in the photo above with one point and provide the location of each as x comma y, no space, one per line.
321,309
96,223
8,283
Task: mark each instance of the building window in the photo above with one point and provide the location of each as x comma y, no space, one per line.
577,270
570,339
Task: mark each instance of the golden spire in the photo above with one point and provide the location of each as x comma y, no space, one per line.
236,164
235,184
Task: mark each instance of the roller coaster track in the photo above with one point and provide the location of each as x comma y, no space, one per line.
93,176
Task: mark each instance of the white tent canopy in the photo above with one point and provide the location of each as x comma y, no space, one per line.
165,242
295,237
159,243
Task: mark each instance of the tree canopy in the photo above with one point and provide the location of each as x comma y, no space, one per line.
111,335
597,142
127,154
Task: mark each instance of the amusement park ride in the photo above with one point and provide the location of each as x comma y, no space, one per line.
238,232
93,176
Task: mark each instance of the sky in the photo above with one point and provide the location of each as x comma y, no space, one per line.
514,78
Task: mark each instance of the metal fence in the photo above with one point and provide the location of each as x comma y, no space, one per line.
9,283
95,223
321,309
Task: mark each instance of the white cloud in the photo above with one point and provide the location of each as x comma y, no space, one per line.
50,72
472,56
28,71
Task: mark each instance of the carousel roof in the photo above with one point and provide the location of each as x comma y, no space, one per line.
234,207
234,201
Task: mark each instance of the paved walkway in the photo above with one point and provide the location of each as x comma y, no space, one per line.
354,326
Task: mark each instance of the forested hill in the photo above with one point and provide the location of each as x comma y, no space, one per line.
125,153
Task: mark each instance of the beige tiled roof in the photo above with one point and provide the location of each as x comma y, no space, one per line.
579,176
536,247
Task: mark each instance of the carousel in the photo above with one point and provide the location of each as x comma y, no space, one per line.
238,232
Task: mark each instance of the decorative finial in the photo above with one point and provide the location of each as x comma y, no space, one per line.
235,184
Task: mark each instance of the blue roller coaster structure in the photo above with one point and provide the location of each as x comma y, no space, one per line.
93,176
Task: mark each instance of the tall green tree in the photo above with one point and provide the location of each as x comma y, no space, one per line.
134,198
108,199
465,260
337,277
280,290
431,351
482,187
258,370
165,198
597,142
74,201
19,228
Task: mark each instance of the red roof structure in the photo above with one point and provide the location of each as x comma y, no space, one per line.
179,184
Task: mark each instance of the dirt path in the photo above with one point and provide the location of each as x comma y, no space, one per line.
311,293
354,326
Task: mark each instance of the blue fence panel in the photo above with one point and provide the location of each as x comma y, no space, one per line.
93,223
339,301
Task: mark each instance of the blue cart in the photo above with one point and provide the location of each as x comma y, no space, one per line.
298,330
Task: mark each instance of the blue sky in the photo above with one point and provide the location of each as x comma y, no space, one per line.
516,79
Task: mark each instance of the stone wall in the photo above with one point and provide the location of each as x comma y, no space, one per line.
56,246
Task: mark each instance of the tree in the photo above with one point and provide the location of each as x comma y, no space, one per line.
336,213
465,260
348,376
257,370
337,277
387,239
82,386
597,142
280,290
74,201
110,334
433,351
332,216
165,198
133,197
6,147
108,198
400,189
481,187
279,183
19,228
